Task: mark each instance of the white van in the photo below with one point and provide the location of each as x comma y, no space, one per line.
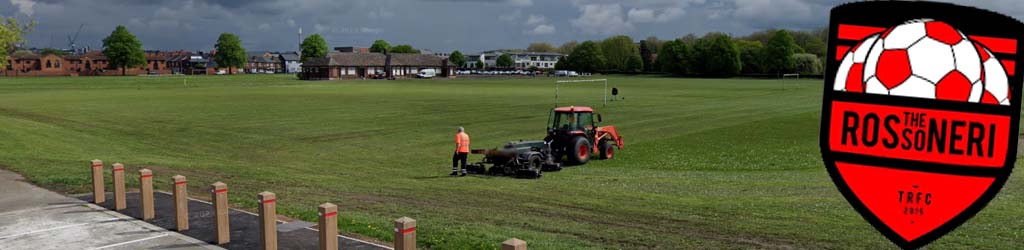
426,73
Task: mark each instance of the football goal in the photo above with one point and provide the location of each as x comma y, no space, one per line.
581,92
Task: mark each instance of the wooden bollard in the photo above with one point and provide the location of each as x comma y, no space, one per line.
405,234
220,204
328,226
268,220
146,193
119,192
513,244
98,194
180,202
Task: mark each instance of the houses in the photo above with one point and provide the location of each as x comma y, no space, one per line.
25,63
94,63
339,65
291,62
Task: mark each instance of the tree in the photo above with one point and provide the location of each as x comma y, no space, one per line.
646,55
380,46
11,34
654,44
123,50
404,48
807,64
457,59
480,64
587,57
674,57
504,61
541,47
751,54
634,64
809,42
229,52
617,51
778,53
568,47
52,51
717,55
562,64
313,47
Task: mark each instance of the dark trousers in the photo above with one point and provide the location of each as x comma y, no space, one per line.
456,158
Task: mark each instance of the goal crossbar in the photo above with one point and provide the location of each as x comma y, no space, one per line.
605,100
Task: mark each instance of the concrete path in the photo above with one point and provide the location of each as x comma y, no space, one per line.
34,218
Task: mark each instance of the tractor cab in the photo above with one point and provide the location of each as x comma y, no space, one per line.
573,132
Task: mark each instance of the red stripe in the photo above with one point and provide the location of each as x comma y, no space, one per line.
179,183
408,230
1009,65
269,201
118,169
856,32
996,44
147,176
220,191
331,214
841,51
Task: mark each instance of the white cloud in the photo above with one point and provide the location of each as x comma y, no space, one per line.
24,6
637,15
543,29
601,19
535,19
264,26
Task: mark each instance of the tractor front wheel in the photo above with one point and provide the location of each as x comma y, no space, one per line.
607,150
579,151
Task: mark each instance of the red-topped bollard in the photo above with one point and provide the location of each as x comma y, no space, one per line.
405,234
119,191
180,202
98,194
146,193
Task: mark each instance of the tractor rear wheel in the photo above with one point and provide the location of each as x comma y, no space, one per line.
579,151
536,166
607,150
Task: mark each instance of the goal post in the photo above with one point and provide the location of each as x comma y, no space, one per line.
604,85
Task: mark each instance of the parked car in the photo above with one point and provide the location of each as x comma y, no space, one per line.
426,73
561,73
573,74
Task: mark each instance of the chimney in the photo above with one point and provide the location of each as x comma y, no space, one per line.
387,64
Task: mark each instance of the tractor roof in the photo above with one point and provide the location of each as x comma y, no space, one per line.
574,109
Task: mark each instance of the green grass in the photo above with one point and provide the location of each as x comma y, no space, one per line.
707,163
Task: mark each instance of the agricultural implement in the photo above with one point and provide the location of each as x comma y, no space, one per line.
572,135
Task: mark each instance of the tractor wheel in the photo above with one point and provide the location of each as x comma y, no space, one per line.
579,151
536,166
607,150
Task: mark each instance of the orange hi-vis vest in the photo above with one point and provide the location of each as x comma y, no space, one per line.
462,142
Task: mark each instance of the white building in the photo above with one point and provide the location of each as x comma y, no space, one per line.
521,60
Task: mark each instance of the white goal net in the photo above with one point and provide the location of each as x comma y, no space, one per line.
589,92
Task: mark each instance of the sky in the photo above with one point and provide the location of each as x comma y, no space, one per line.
437,25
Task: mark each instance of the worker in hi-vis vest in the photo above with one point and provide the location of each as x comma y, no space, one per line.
461,152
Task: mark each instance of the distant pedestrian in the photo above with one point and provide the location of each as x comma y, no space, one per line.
461,152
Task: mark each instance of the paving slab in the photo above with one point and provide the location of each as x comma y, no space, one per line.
34,218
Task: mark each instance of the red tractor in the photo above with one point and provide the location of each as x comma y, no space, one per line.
573,133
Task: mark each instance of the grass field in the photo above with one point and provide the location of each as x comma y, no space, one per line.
707,164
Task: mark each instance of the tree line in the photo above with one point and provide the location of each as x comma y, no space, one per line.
717,54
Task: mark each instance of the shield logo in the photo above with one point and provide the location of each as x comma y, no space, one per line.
920,115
